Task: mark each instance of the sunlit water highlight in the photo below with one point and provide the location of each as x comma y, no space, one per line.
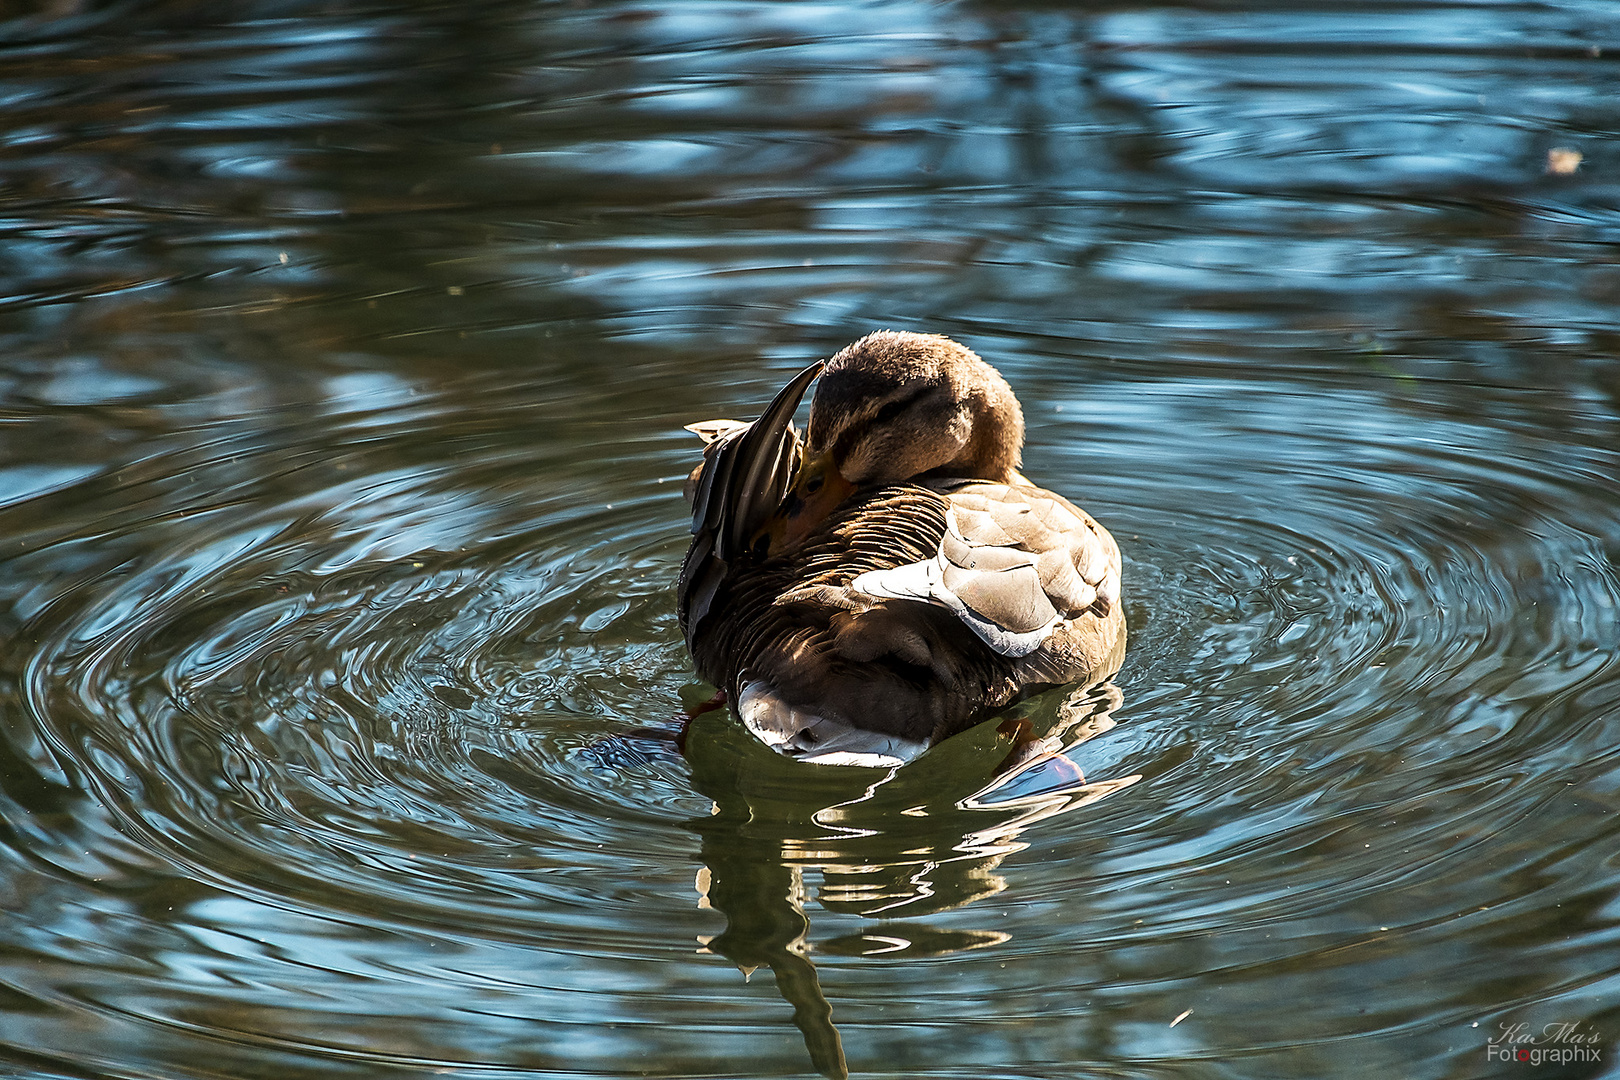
345,359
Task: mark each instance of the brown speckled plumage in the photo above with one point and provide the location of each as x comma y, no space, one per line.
899,667
908,581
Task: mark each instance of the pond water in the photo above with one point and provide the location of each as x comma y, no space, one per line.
344,352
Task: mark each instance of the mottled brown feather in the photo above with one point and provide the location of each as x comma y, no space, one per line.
1018,556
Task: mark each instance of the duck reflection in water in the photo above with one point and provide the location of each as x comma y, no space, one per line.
896,844
860,597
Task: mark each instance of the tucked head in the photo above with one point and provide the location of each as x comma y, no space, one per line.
892,407
895,405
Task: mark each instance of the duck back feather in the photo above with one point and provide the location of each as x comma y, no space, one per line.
908,607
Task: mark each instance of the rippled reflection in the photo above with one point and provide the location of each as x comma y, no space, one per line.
898,844
344,352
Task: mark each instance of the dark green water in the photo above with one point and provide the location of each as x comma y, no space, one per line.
344,350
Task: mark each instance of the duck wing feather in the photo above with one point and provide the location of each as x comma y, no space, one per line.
746,472
1014,564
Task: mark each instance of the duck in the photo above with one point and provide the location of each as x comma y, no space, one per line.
891,579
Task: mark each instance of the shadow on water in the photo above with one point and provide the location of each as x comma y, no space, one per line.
895,845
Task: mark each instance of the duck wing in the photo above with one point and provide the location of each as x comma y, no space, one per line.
1014,563
746,472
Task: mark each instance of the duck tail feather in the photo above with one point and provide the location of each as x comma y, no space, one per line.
767,457
746,471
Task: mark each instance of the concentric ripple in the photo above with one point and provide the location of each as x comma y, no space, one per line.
422,700
389,688
344,351
1373,699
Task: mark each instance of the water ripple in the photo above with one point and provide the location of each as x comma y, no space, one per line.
344,361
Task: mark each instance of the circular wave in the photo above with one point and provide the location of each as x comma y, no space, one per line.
405,696
437,692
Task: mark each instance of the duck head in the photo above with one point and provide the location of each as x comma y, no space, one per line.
893,407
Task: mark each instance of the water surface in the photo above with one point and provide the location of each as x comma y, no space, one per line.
344,351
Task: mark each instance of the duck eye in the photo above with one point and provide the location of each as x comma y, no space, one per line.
813,485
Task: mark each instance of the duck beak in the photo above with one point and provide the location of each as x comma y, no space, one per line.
818,489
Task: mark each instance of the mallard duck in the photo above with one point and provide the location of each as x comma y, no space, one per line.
893,579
